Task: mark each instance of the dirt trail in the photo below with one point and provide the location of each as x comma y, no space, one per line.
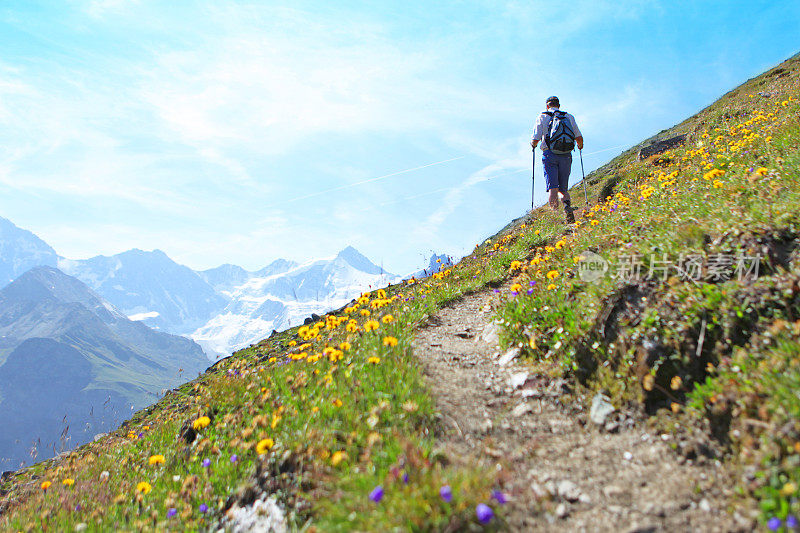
560,472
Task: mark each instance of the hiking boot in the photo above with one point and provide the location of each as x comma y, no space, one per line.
570,216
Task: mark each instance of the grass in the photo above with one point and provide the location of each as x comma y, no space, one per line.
320,416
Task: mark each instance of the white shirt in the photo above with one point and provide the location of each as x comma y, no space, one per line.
543,124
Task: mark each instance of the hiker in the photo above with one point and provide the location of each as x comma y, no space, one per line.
558,132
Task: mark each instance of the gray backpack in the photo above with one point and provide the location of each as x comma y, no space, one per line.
560,138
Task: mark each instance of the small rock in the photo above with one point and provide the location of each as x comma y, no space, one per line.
612,427
509,356
83,526
491,334
486,426
530,393
562,511
521,409
613,491
705,506
600,410
568,490
627,456
518,379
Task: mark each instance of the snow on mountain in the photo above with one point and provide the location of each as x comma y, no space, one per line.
21,250
276,301
151,287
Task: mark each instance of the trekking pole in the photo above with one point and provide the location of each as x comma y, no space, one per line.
583,174
533,173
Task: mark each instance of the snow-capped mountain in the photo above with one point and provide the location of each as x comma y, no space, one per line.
21,250
277,301
437,262
151,287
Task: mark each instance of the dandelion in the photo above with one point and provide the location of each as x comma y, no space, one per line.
337,402
551,287
446,493
516,287
364,312
371,325
515,265
762,171
484,513
389,341
143,487
46,485
594,223
338,457
156,460
377,494
553,274
201,422
264,445
68,482
292,343
374,360
387,319
344,346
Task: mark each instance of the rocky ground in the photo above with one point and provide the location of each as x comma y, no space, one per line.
559,468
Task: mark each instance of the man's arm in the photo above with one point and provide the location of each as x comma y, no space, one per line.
578,135
579,142
538,131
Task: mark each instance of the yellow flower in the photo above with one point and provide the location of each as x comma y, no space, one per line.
762,171
344,346
387,319
676,407
381,293
201,422
516,287
264,445
676,383
551,287
594,222
156,459
338,457
374,360
364,312
536,232
515,265
292,343
144,487
389,341
560,244
553,274
648,382
717,184
337,402
46,485
788,489
352,326
371,325
68,481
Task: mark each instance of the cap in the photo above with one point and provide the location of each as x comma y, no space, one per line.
552,100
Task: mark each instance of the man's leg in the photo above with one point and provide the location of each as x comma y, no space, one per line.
551,172
564,169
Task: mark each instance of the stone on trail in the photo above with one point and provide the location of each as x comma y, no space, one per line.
600,409
521,409
568,490
491,334
518,379
509,356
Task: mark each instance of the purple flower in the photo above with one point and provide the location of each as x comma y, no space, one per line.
171,512
377,494
514,293
532,282
499,497
497,290
405,477
484,513
774,523
203,508
446,493
791,521
234,458
530,291
77,508
206,462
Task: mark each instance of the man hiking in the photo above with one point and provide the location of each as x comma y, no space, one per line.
558,132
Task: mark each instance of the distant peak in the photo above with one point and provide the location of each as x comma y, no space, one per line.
357,260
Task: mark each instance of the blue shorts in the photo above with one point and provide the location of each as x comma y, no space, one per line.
556,170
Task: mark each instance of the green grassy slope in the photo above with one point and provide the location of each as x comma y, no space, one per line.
321,416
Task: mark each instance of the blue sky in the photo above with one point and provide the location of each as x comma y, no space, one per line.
246,131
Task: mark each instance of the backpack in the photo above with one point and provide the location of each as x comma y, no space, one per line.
560,138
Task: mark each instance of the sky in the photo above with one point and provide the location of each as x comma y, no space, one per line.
242,132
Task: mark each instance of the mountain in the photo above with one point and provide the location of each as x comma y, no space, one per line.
225,277
151,287
21,250
284,294
436,263
71,362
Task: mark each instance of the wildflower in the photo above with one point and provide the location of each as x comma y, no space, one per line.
676,383
371,325
344,346
516,287
499,497
264,445
374,360
389,341
337,402
551,287
68,482
387,319
364,312
515,265
46,485
377,494
156,460
206,462
788,489
171,512
203,508
648,382
774,523
595,222
791,522
234,458
144,487
553,274
762,171
676,407
484,513
292,343
201,422
338,457
352,326
446,493
404,478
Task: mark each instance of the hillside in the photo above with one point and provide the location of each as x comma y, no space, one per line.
355,422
